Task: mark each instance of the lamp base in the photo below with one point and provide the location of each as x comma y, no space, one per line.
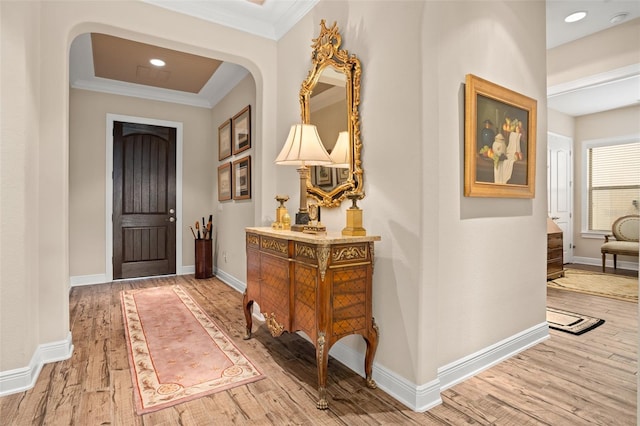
354,224
302,219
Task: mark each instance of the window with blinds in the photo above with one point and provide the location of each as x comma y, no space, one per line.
613,183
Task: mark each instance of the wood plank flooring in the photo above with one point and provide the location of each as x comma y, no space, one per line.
567,380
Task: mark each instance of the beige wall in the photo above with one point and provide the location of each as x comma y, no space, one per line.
619,124
87,129
35,85
453,275
447,265
614,48
87,117
330,121
561,124
231,217
491,252
19,142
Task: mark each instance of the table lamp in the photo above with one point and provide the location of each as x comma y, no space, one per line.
340,153
303,148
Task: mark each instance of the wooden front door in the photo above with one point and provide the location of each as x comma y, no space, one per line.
144,200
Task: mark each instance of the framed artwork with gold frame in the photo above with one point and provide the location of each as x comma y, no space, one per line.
499,141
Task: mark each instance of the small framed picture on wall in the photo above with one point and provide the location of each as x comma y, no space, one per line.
224,140
224,182
241,130
242,178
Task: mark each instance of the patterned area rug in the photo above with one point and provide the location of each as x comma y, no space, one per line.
607,285
176,352
571,322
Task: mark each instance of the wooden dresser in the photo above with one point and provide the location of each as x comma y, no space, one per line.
318,284
555,261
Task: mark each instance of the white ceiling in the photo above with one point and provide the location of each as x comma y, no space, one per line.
274,18
615,88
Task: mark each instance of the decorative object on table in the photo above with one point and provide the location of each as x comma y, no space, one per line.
303,148
224,182
241,130
166,370
339,72
505,166
570,322
354,216
320,285
203,248
596,283
314,226
281,211
241,185
224,140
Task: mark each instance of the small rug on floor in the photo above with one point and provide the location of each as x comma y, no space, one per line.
176,352
599,284
571,322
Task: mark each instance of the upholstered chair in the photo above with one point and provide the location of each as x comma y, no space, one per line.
625,229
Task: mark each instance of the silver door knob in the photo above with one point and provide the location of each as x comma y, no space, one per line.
172,211
172,219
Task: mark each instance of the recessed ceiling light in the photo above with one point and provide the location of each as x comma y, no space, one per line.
575,16
157,62
619,18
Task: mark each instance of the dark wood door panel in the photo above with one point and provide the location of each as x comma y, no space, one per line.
141,244
144,194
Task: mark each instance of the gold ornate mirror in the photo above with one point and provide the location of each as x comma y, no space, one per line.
329,98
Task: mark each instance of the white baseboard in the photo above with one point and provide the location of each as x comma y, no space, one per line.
417,397
81,280
423,397
231,281
462,369
632,266
22,379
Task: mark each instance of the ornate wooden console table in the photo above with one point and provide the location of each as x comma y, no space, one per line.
318,284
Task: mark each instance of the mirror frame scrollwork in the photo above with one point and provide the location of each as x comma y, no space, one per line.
327,53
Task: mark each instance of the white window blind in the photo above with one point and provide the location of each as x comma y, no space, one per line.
613,183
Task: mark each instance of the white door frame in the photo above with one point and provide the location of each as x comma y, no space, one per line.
109,191
557,140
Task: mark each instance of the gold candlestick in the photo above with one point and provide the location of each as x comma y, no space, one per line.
354,217
281,212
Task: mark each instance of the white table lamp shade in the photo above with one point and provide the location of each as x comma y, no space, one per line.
303,147
340,153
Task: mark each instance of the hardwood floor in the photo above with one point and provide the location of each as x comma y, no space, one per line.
567,380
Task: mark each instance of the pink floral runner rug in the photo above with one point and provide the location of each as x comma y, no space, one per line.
176,352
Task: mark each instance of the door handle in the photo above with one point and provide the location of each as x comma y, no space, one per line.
172,219
555,218
172,211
